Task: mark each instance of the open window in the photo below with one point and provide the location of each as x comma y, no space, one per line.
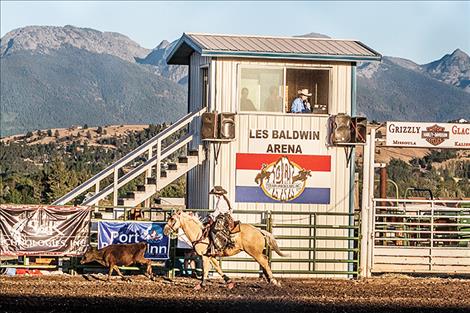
261,89
317,83
274,89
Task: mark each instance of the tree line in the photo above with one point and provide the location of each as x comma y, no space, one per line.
41,173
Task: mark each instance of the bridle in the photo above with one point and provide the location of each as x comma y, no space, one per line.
171,226
193,243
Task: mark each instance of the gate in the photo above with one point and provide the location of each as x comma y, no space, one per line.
422,236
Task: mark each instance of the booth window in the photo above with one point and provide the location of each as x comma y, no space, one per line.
205,86
317,83
261,89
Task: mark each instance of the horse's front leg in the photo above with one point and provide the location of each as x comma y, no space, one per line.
216,265
206,264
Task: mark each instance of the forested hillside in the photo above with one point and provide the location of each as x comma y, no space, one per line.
33,172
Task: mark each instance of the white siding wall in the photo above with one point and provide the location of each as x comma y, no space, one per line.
197,178
222,173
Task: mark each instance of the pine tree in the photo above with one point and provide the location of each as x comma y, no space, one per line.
59,180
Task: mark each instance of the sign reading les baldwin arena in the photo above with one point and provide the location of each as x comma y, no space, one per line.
282,167
428,135
43,230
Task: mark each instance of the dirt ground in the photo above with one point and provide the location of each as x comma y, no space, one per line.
390,294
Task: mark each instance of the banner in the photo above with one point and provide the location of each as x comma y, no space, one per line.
43,230
276,178
158,245
428,135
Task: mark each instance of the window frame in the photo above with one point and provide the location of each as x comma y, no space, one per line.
260,66
241,66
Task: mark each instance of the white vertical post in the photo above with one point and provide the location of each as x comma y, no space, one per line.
97,190
364,209
371,206
159,159
115,187
149,171
431,246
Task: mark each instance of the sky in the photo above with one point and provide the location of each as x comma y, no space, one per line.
420,31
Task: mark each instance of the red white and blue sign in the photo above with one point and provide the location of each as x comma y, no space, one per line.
158,245
283,178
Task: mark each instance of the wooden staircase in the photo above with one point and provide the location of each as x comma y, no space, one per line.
155,155
167,176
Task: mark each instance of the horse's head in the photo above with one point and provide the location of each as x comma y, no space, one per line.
173,223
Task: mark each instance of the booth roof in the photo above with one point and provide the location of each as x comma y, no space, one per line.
303,48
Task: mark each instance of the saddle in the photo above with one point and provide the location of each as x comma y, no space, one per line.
219,233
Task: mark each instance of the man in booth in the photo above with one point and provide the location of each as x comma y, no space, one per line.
301,104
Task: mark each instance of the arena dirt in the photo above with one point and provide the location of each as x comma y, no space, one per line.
389,294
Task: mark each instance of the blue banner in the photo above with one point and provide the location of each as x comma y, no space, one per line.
158,245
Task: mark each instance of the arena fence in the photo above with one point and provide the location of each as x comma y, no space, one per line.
314,246
421,236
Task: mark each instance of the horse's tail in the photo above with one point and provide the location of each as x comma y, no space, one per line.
272,242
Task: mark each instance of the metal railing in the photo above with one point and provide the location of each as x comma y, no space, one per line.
153,159
322,248
421,235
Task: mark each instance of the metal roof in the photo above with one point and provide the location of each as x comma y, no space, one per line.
270,47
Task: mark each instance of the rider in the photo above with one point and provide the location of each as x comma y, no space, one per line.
220,221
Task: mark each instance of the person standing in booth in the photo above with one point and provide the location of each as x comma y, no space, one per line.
301,104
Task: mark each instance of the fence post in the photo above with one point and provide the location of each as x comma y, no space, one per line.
363,269
432,235
269,228
314,241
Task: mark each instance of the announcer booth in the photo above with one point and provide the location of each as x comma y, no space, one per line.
294,169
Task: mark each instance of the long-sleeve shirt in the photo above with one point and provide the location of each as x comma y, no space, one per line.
297,106
221,207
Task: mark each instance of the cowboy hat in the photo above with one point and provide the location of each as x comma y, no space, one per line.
218,190
304,92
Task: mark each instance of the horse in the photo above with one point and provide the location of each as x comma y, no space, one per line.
264,174
302,176
249,239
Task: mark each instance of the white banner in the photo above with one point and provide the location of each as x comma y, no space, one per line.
428,135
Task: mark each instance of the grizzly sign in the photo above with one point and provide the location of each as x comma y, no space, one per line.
43,230
428,135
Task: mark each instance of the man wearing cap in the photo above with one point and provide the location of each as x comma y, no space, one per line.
301,104
220,221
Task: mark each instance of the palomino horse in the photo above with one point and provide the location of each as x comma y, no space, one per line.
250,239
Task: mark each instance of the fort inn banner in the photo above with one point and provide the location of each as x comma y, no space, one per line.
282,166
158,245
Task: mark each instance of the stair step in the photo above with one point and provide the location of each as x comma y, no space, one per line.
193,153
182,159
140,187
129,195
172,166
151,180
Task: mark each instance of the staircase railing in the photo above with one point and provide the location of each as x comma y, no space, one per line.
153,160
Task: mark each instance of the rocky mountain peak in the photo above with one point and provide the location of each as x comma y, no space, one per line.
45,39
452,68
459,54
313,35
162,45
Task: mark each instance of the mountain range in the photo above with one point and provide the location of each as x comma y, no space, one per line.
61,76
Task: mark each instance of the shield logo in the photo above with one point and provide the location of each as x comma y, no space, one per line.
282,180
435,135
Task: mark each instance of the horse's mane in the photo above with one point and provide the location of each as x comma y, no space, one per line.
195,217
